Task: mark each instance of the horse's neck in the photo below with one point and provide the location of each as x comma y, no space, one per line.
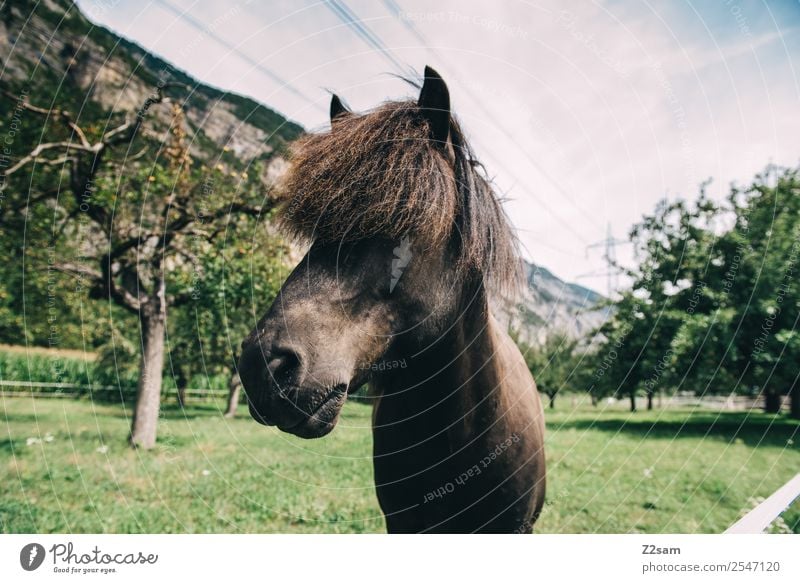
449,382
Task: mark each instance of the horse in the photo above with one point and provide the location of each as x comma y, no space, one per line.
408,245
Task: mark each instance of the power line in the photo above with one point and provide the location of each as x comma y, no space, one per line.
191,21
357,26
397,12
395,9
362,30
340,9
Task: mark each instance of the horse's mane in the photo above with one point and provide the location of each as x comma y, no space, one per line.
380,174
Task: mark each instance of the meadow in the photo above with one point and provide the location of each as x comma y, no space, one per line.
68,468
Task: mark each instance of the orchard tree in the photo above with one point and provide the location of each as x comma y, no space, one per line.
133,207
714,302
554,364
618,368
766,241
217,305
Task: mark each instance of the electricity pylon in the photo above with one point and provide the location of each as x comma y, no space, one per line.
609,245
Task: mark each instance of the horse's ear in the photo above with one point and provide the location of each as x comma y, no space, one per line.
434,100
337,107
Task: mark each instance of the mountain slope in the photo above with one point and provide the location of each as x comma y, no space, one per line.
549,304
53,54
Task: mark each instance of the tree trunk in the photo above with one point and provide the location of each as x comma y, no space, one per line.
148,390
181,382
794,401
649,401
772,402
633,402
594,400
234,388
552,400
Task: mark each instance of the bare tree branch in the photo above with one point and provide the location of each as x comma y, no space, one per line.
122,296
79,270
64,115
122,276
38,150
103,283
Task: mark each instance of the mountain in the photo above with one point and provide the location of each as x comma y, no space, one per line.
52,54
549,304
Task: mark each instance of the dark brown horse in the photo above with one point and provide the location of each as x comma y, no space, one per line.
407,243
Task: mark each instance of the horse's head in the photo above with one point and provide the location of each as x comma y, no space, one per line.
382,197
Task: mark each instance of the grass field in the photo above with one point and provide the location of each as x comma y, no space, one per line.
67,468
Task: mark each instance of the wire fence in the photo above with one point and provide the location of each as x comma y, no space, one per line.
101,392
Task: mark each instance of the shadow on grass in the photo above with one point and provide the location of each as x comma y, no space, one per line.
173,411
194,411
753,429
8,445
21,417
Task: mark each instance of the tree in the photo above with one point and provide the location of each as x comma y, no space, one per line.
619,357
714,301
766,236
234,390
553,364
134,214
234,283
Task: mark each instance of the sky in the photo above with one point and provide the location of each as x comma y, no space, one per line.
585,114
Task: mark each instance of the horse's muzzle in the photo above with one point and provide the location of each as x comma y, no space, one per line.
271,381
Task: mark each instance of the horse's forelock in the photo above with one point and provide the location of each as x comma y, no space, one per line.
379,174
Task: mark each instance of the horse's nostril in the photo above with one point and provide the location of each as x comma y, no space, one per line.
283,365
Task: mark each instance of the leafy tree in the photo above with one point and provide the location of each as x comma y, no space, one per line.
127,219
554,364
233,284
619,368
714,302
38,304
767,238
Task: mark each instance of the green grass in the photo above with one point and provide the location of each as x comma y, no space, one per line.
609,471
